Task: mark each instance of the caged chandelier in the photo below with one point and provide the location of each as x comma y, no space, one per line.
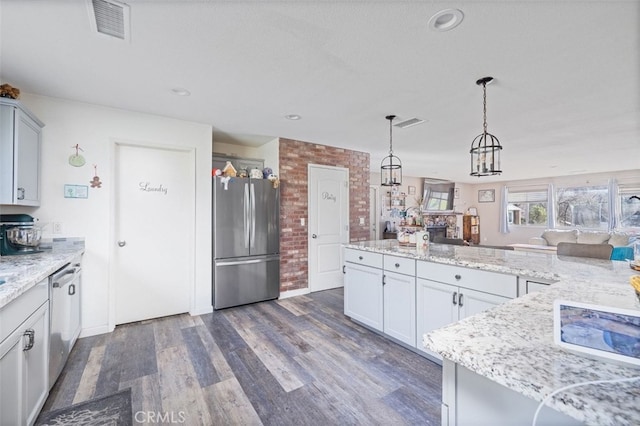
485,148
391,166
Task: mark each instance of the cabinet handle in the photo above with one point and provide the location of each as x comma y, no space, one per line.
384,279
343,269
30,333
360,257
458,277
460,300
72,290
20,193
455,297
397,265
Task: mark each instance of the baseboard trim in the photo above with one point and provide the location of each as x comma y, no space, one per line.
94,331
201,311
293,293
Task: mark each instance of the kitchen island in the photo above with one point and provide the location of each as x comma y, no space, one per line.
499,364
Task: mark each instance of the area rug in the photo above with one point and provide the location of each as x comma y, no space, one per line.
107,410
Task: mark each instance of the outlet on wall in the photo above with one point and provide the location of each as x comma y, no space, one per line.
57,228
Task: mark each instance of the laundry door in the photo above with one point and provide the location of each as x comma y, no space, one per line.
154,231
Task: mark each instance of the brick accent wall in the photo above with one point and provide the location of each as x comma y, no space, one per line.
293,160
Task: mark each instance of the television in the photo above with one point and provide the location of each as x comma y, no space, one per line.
438,195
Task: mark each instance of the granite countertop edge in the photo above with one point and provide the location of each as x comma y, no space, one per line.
22,272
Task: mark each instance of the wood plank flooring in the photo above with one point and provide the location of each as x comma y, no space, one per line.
297,361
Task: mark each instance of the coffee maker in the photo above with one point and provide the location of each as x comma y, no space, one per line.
19,234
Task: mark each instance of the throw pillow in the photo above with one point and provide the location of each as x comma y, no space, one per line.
556,236
622,253
593,237
619,239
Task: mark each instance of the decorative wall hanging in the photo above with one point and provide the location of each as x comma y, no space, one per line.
486,195
76,191
77,160
95,182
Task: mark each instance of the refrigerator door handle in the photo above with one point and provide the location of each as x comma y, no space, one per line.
242,262
253,216
246,215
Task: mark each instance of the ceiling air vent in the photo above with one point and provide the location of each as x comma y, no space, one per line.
408,123
110,17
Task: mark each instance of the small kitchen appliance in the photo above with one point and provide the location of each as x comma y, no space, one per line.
19,234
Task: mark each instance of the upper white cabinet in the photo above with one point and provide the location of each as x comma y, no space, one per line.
20,146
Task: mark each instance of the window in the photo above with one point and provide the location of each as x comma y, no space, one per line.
583,207
527,207
629,202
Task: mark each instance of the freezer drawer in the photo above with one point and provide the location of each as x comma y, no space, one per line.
245,280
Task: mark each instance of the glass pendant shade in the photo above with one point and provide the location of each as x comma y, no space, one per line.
391,166
485,148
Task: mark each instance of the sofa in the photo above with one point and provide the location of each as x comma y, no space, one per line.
622,242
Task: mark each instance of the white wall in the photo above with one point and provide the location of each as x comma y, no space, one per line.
269,152
95,128
490,212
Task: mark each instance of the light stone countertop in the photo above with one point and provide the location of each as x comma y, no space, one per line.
512,344
21,272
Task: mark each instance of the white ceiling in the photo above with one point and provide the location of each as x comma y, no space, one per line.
565,100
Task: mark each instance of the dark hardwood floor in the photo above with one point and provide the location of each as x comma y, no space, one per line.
296,361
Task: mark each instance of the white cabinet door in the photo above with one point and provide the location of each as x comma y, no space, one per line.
363,294
471,302
20,143
36,364
27,164
400,307
435,308
11,389
24,363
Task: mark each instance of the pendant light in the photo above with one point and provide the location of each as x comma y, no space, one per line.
391,166
485,148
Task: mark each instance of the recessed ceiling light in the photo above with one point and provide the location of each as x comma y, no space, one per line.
292,117
180,91
446,20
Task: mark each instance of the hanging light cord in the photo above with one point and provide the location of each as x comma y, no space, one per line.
390,136
484,106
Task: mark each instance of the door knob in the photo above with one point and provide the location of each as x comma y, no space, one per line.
314,236
122,243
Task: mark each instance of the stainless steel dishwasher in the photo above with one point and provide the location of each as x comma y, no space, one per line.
64,311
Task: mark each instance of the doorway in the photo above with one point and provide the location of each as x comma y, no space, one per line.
153,240
328,225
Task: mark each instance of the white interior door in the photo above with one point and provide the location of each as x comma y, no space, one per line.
154,232
374,217
328,225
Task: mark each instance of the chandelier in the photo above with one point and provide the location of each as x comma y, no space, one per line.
485,148
391,166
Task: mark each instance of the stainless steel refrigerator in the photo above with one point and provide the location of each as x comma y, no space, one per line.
246,241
